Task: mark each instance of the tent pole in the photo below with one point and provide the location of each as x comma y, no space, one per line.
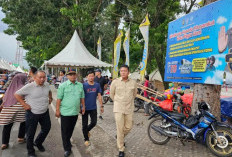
52,70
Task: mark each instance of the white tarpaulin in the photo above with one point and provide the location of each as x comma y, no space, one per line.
5,65
75,54
19,69
106,73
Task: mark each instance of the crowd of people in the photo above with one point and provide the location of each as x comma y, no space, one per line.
27,99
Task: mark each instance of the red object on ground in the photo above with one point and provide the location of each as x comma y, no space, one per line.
166,105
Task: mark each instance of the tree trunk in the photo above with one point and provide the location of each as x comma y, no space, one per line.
208,93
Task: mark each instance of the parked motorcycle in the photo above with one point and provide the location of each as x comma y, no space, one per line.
202,128
106,96
140,104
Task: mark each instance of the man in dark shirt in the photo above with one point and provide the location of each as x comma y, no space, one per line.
92,92
99,79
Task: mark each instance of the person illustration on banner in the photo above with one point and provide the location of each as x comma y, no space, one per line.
210,63
224,41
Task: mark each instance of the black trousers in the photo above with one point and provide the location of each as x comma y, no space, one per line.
67,126
85,127
7,130
32,121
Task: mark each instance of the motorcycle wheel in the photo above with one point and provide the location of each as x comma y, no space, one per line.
223,149
105,99
136,104
155,136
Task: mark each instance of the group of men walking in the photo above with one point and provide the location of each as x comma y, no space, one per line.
73,98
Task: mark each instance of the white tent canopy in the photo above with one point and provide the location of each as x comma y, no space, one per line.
5,65
75,54
155,75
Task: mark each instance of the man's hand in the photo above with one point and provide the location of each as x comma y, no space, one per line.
102,109
26,107
58,113
83,110
222,39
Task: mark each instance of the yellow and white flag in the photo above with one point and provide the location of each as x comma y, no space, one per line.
144,29
99,48
126,46
117,49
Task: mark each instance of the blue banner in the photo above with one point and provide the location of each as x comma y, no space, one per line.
199,45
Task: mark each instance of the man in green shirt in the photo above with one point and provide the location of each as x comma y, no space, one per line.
70,96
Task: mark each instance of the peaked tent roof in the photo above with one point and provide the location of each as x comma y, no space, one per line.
75,54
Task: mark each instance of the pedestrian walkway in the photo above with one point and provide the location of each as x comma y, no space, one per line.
103,142
139,145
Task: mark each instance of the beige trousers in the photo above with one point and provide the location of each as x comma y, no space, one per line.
124,123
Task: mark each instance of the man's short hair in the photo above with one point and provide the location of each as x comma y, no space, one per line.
90,72
98,70
33,70
62,71
40,71
147,77
125,66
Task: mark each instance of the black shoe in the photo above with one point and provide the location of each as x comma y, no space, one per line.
100,117
121,154
67,153
31,155
40,147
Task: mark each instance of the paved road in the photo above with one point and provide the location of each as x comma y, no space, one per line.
103,143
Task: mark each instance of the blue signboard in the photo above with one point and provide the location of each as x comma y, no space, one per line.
199,45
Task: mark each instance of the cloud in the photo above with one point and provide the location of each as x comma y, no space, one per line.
221,20
230,24
217,63
215,79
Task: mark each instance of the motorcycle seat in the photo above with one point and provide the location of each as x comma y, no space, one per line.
177,116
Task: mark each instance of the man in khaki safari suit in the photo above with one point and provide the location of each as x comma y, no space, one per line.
123,91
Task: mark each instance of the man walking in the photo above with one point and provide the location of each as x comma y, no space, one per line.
62,78
99,79
38,96
123,91
70,96
92,91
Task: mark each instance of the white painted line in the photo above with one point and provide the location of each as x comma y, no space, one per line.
75,151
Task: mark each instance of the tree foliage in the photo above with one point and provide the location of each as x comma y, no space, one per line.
45,26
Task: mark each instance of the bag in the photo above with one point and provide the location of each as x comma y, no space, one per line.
166,105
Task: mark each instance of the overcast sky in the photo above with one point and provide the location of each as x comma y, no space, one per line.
8,44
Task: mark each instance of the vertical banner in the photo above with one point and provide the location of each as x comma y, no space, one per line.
99,48
144,29
126,46
117,49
